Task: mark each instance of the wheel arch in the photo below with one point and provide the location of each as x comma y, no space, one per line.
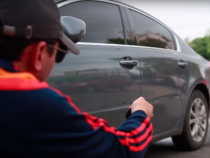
182,140
204,90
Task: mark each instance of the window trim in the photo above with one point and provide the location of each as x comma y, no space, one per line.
178,47
126,46
123,24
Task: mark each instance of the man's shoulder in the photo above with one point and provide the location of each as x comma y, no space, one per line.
24,89
55,97
42,97
19,81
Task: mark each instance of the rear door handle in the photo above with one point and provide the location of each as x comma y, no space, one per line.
182,63
128,61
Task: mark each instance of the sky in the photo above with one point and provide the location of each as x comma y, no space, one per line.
188,18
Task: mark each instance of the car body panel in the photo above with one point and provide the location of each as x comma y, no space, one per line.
157,77
162,80
96,81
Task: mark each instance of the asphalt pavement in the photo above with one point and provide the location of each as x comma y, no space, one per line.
166,149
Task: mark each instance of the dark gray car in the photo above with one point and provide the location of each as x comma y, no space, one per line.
127,53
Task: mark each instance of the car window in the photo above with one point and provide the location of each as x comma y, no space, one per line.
103,20
150,33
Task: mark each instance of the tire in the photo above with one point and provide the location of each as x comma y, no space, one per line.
186,141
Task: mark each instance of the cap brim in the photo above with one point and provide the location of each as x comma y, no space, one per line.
69,44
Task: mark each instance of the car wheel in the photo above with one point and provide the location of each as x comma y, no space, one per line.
195,125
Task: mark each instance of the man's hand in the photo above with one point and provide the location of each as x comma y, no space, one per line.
142,104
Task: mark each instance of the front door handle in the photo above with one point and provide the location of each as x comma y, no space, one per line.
182,63
128,61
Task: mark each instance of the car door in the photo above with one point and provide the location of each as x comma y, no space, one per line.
164,71
89,78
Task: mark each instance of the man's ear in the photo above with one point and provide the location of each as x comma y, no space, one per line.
36,52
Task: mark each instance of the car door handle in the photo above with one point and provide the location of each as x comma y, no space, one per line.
182,63
129,62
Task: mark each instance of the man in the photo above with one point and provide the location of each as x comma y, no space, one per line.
37,121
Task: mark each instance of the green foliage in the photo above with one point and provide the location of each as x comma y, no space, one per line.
151,42
116,40
201,46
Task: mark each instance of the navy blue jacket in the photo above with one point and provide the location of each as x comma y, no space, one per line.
37,121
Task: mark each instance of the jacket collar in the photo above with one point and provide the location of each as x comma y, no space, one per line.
11,80
8,66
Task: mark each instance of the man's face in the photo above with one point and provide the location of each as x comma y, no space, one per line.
37,59
47,64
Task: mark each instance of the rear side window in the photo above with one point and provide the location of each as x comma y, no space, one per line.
150,33
103,20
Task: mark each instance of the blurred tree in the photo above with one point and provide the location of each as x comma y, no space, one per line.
151,42
116,40
208,32
187,40
201,46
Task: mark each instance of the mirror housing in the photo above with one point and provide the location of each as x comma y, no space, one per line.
74,28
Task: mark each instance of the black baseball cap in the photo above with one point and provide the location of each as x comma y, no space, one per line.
33,19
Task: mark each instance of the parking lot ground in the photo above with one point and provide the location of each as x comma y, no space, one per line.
166,149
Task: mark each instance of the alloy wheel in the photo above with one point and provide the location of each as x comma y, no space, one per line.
198,120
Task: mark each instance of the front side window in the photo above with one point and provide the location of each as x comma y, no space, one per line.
150,33
103,21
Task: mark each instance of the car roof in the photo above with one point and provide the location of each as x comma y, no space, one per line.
125,4
130,6
59,1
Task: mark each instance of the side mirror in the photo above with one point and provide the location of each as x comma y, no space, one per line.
74,28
